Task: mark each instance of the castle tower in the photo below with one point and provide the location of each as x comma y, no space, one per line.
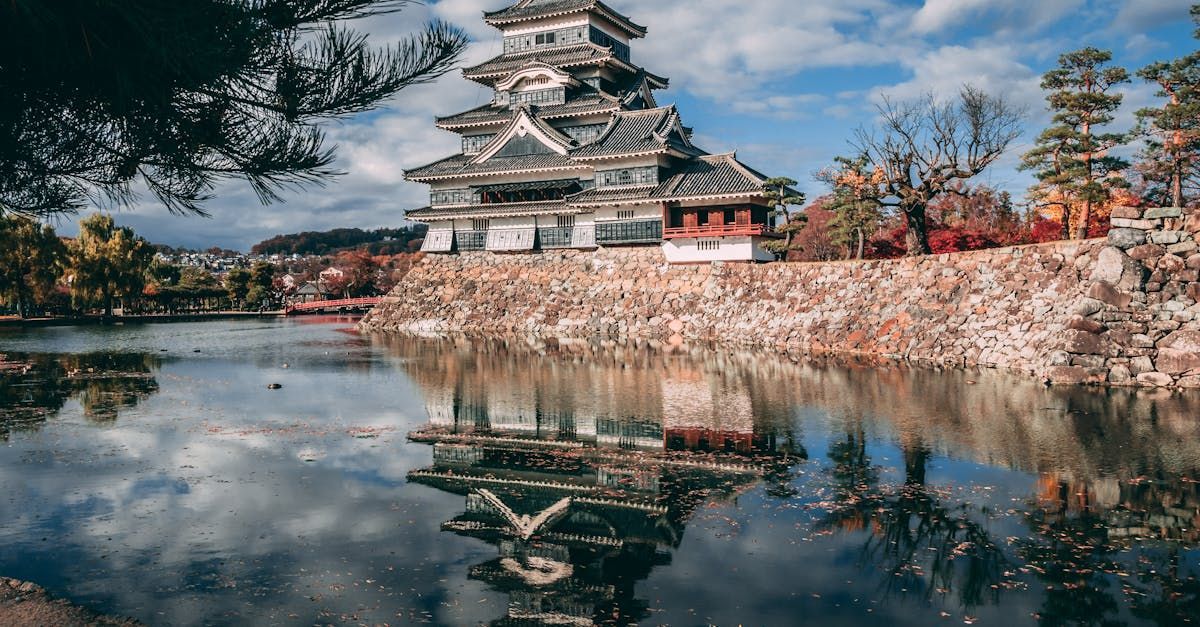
575,152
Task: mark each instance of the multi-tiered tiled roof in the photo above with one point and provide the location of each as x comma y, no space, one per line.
528,10
574,129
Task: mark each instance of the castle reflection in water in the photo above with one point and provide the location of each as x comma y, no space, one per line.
583,464
585,476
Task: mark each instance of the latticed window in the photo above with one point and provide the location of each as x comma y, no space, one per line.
584,134
625,214
555,95
480,224
628,232
445,197
627,176
566,221
472,144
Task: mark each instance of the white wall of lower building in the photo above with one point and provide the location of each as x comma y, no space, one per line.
640,212
706,249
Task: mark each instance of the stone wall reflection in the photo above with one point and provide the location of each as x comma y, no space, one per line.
511,421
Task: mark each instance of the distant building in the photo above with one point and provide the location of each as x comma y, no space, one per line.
575,152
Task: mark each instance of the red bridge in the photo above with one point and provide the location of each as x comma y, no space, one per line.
360,304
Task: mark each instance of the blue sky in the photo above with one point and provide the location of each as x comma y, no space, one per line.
784,82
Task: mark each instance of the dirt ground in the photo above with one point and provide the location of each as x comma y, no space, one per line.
24,604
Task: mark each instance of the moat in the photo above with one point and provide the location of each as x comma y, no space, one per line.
149,471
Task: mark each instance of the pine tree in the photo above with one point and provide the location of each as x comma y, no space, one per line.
780,195
100,98
855,203
1071,159
1170,160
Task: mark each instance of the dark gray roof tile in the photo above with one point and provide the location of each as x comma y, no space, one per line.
636,132
460,165
563,56
711,175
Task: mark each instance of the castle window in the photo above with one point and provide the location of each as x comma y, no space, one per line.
566,222
480,224
628,176
625,214
472,144
556,95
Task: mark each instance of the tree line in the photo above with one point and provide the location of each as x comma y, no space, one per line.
108,266
379,241
906,187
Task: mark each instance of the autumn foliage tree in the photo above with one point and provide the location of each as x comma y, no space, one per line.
855,204
107,262
921,149
32,258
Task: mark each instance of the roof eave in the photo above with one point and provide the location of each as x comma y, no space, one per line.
469,175
629,155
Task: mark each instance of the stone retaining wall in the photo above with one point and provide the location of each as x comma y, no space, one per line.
1122,311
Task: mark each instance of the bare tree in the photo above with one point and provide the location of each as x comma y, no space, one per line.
921,148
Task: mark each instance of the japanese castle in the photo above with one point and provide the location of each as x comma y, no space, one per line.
575,152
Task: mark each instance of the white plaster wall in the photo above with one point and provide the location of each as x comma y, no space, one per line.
686,250
640,212
538,26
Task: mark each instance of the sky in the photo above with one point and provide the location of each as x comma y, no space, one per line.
785,83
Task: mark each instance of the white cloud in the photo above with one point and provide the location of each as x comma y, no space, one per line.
944,16
1136,15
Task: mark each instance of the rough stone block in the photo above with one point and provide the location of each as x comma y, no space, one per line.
1075,375
1155,379
1170,264
1183,248
1141,364
1162,212
1193,262
1172,361
1108,293
1193,291
1141,225
1120,375
1146,251
1079,342
1087,307
1086,324
1166,237
1132,213
1127,238
1185,340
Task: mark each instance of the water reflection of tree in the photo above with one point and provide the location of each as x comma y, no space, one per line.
1087,552
922,544
39,386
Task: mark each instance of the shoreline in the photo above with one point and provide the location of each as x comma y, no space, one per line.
26,604
141,319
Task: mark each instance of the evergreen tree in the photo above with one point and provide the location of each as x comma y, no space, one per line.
178,96
31,262
1071,159
855,203
780,195
1170,160
107,262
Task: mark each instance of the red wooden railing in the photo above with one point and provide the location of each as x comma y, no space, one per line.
718,230
347,303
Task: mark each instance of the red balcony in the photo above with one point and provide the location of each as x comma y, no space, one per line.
719,230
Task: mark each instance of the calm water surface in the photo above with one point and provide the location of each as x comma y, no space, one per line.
148,471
